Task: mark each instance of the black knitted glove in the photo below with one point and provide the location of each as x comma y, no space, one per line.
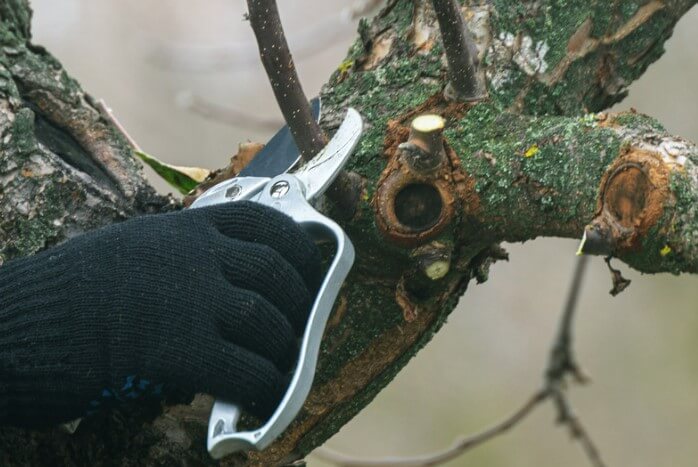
204,300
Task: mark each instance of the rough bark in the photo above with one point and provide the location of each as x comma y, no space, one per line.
530,161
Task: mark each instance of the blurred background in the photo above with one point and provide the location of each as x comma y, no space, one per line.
153,60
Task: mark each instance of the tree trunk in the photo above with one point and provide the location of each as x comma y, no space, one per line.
529,161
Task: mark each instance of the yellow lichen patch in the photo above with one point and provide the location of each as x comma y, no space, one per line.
665,251
531,151
345,66
437,270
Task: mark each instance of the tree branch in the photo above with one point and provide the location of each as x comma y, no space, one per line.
277,60
562,361
278,63
466,82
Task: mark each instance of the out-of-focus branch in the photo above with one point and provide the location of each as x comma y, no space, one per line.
227,115
278,63
465,84
562,363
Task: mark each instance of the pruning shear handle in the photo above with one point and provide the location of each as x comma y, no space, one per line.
286,194
292,195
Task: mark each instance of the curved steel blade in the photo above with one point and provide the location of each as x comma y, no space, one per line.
280,153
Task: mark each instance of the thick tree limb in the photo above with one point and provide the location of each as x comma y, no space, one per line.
524,164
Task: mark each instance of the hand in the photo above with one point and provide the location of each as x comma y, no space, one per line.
204,300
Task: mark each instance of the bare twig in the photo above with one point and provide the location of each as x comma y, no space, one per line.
561,363
230,116
458,448
107,113
566,416
465,81
278,63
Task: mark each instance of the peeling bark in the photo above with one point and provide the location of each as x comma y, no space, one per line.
530,161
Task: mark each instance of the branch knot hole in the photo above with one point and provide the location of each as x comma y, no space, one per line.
415,198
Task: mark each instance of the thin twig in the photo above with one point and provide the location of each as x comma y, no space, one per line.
278,63
567,417
458,448
562,363
562,360
107,113
461,52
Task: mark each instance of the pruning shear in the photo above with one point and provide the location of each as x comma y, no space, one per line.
293,194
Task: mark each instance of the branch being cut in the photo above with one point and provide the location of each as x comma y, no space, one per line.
277,60
278,63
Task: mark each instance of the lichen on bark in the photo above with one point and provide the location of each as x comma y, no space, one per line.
63,170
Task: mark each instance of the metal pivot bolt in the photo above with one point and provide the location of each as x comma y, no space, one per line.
233,191
279,189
